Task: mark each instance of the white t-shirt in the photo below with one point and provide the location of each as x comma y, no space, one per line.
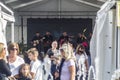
56,53
40,75
14,67
34,66
65,73
80,59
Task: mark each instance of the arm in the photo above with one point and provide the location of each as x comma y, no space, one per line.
32,74
72,72
6,69
86,65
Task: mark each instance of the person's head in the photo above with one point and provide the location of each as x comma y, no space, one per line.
37,34
24,70
79,35
13,49
56,74
64,33
66,51
72,44
2,50
47,33
33,54
80,49
54,44
90,34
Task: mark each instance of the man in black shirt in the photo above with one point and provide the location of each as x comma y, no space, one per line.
47,40
63,38
37,42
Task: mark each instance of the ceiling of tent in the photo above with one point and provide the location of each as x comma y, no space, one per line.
19,4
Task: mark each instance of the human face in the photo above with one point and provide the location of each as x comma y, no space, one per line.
30,56
25,70
80,35
64,33
37,34
54,45
47,33
4,52
81,50
62,52
14,51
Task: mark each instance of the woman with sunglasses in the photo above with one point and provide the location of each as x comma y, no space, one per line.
4,69
81,63
13,59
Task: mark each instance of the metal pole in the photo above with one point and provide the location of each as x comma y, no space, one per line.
118,59
12,29
4,6
59,8
118,35
0,11
12,32
22,29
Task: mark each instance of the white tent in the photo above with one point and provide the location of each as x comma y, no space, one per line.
104,46
4,18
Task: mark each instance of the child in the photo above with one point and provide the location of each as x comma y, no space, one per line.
24,72
35,63
56,75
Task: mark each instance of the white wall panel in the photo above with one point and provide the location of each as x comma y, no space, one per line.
17,34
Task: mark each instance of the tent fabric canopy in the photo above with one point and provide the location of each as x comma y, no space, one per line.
4,18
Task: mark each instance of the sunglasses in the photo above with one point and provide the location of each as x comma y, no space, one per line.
13,49
4,48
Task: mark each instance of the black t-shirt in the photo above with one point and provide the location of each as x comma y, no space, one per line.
4,68
24,78
36,38
63,39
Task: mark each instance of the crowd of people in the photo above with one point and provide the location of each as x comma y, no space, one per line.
49,59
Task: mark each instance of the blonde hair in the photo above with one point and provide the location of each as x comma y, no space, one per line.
1,49
34,51
68,50
12,45
22,66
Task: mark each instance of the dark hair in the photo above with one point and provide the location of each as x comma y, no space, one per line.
37,32
79,46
